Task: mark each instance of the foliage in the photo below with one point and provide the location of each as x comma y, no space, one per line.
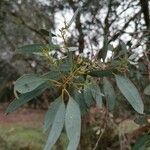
80,82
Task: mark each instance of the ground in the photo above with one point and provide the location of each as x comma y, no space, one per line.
21,130
26,116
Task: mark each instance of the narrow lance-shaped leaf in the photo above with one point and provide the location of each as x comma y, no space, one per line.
101,73
24,98
33,48
73,124
79,98
74,16
147,90
46,33
57,127
130,92
36,48
28,83
88,96
109,94
97,95
50,114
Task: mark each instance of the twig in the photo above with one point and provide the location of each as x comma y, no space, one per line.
102,132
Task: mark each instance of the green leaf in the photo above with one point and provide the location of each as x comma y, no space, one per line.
51,113
46,33
28,83
110,47
79,98
66,66
141,120
147,90
109,94
105,48
97,95
74,17
130,92
88,96
73,124
53,74
142,142
24,98
57,126
36,48
101,73
123,46
33,48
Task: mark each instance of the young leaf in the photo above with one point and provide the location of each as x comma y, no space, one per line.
109,94
130,92
57,126
33,48
50,114
97,95
28,83
73,124
24,98
147,90
36,48
46,33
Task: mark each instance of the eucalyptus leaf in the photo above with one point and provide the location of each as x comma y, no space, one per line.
53,74
24,98
79,98
73,124
130,92
46,33
51,113
31,48
147,90
36,48
123,46
101,73
109,94
97,95
28,83
105,48
142,143
74,16
88,97
57,126
110,47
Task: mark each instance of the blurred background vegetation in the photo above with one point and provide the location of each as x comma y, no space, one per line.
114,20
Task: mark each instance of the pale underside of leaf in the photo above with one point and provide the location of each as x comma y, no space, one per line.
88,96
73,124
130,92
109,94
147,90
50,114
57,127
97,95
